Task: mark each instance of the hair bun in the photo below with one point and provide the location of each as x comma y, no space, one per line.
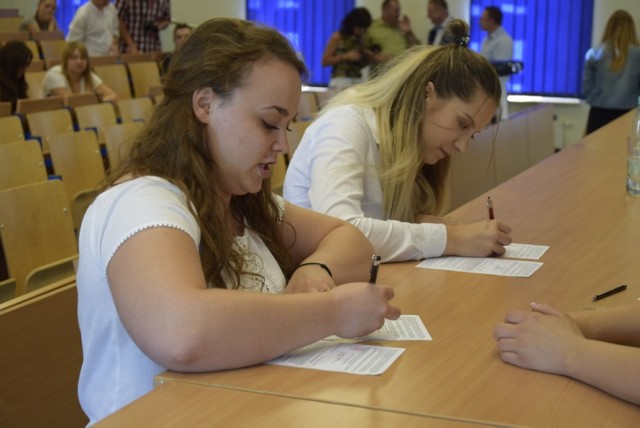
458,32
461,40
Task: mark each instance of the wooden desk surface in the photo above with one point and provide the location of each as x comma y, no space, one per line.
177,404
575,201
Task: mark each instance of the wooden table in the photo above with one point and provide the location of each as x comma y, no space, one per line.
176,404
575,201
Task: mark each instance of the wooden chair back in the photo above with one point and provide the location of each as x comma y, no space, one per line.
134,109
21,162
118,140
41,344
115,76
12,129
77,100
96,117
35,50
34,105
5,109
128,58
7,36
36,229
7,290
52,48
144,75
36,65
103,60
41,36
45,124
10,23
77,160
34,80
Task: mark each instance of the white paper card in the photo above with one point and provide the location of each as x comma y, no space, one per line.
407,327
525,251
352,358
488,265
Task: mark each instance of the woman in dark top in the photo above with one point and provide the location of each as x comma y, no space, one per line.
345,50
15,57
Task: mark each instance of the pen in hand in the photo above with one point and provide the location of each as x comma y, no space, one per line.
375,262
609,292
490,208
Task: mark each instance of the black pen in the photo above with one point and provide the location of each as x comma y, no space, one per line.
609,293
490,208
375,262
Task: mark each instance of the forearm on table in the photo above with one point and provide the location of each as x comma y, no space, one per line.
618,324
610,367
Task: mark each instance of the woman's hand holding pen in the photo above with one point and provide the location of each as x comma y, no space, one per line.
361,308
481,239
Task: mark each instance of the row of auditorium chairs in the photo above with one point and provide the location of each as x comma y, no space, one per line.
39,244
136,79
43,125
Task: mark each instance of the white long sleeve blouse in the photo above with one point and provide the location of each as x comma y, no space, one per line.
334,171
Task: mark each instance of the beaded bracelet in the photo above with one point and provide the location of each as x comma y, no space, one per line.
322,265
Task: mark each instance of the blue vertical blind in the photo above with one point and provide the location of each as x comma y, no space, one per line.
308,24
65,11
550,37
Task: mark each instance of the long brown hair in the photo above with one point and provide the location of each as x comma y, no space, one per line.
173,145
619,34
86,74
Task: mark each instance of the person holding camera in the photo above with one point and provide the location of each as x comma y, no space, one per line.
141,23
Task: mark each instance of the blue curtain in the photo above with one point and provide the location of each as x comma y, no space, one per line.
307,24
65,11
550,37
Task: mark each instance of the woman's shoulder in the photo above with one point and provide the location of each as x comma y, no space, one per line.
56,69
144,188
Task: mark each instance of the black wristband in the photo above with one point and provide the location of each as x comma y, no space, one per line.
322,265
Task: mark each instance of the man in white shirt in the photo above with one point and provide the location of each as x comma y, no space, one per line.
438,13
497,46
96,25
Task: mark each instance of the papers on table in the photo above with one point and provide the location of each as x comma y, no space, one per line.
333,354
525,251
493,265
352,358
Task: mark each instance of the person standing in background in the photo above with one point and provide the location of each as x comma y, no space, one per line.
389,35
611,76
181,33
497,46
346,50
43,20
141,23
438,13
96,25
